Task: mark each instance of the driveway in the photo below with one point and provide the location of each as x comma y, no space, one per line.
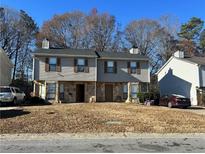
131,143
197,110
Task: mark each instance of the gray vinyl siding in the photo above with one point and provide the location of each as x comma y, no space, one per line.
122,73
67,71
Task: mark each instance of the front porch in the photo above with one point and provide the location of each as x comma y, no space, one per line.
65,91
79,91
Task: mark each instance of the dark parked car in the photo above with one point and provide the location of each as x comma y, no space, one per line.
175,101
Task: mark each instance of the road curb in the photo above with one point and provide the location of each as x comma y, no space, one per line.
51,136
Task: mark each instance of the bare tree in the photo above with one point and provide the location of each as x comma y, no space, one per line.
77,30
144,34
17,36
101,29
8,28
171,24
67,30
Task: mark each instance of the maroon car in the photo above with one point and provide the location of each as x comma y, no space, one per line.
175,101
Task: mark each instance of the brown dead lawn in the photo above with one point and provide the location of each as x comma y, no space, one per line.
101,117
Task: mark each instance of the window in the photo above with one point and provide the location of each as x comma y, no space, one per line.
17,90
125,89
133,67
134,90
51,91
52,64
81,65
5,90
110,67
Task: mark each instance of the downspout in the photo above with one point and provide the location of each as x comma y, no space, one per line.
33,68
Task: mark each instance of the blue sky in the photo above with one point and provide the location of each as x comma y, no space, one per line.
124,10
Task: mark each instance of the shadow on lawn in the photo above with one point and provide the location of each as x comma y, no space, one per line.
4,114
196,108
35,101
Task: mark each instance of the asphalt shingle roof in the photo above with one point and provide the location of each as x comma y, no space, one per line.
66,52
121,55
90,53
197,60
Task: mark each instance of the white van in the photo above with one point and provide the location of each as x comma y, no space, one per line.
11,95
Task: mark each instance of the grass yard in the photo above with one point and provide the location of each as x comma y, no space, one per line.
101,117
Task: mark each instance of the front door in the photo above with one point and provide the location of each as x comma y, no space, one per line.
80,93
108,92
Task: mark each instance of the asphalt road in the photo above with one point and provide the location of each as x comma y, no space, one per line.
108,145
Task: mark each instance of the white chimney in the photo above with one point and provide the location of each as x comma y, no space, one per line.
179,54
134,50
45,44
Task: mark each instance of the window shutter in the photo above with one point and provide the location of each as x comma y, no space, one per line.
75,65
138,68
128,67
58,64
115,67
105,66
47,64
86,66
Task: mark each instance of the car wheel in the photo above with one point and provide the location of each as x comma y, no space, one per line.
170,105
14,101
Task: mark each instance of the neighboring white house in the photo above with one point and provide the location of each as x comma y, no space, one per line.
5,69
182,75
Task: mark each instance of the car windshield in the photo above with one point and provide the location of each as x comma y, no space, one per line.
5,90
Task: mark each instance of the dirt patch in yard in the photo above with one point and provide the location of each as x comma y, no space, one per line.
94,118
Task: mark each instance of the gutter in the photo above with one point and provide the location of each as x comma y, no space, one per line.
63,55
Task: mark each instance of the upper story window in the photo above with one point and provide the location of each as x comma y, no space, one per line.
81,65
134,67
110,67
52,64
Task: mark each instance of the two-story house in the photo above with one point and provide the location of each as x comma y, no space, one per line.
79,75
182,75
